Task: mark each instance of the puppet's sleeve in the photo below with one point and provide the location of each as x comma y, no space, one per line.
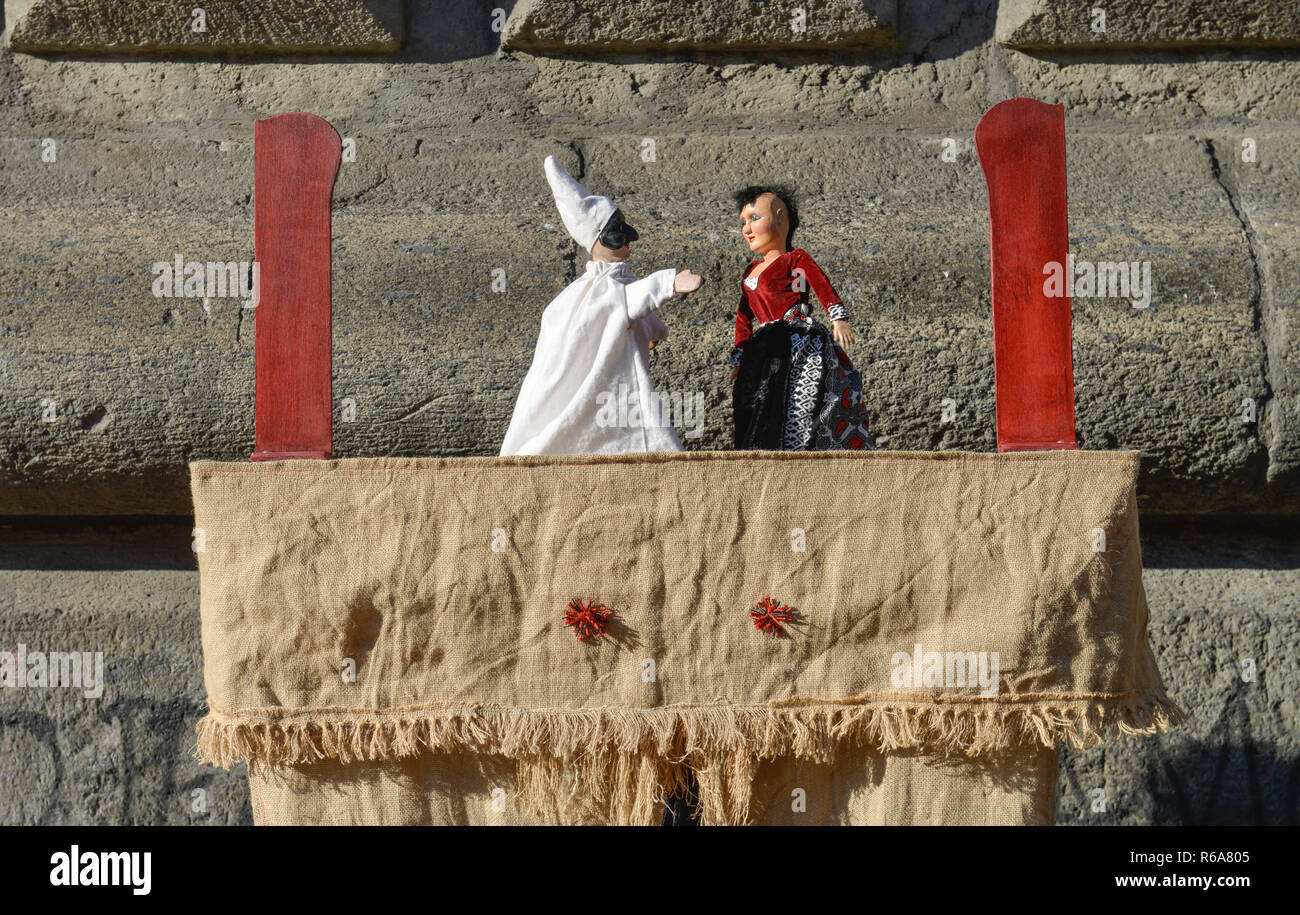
744,326
826,294
654,327
645,296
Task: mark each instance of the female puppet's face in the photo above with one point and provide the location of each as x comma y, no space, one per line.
763,228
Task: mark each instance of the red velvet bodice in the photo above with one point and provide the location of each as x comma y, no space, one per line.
782,285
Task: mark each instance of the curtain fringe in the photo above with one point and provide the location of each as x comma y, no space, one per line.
627,761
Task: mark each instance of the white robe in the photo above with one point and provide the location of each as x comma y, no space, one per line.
588,387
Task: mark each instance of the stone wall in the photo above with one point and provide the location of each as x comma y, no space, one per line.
126,140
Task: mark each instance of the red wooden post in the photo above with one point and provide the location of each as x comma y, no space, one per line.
1021,146
296,159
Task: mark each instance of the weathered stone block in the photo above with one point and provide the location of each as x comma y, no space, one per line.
555,26
1087,24
169,27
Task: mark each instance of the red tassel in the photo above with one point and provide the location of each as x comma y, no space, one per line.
587,618
769,615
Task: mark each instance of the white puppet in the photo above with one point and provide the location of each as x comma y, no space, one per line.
588,390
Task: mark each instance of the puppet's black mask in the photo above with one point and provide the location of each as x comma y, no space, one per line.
617,233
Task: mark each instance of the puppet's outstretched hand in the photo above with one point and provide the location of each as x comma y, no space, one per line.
686,281
842,333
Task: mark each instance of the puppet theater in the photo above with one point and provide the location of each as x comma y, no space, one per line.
572,639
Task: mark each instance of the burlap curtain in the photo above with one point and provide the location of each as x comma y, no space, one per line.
385,640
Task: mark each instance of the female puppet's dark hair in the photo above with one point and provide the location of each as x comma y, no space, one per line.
752,193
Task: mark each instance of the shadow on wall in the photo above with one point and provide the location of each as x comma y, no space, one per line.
450,30
1123,57
144,775
1231,780
97,544
1188,542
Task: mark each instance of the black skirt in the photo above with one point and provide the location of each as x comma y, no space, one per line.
798,391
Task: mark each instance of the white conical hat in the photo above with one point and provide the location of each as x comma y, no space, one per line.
584,213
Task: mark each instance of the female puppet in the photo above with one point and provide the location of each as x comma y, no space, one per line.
588,390
795,389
